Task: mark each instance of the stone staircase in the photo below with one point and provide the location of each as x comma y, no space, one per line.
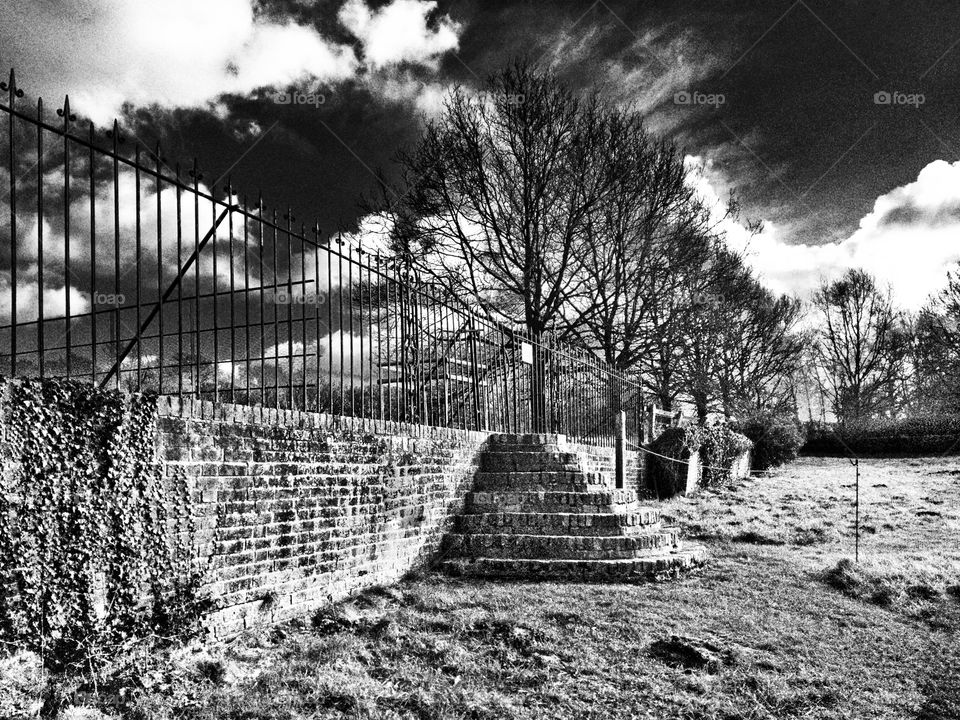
540,510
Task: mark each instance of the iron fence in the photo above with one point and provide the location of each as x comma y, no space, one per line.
121,270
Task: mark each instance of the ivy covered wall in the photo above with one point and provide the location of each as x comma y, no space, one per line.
95,544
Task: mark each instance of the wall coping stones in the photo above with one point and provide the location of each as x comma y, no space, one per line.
187,407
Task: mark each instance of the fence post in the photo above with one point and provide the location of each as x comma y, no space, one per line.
621,449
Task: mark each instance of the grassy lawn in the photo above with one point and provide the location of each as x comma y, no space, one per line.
793,632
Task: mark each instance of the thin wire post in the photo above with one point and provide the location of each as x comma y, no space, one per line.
856,510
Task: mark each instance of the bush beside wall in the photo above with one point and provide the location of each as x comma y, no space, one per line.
720,450
719,453
776,440
666,476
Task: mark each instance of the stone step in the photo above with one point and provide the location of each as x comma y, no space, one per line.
528,462
626,570
566,547
541,481
552,501
539,523
505,449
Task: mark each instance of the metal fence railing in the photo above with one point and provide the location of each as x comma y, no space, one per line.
121,270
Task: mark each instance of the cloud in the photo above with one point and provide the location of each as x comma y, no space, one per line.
399,32
338,349
183,53
659,65
425,96
54,300
908,241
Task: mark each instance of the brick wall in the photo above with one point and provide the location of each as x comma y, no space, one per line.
604,458
294,510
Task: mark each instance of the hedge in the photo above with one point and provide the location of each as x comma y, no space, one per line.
885,437
91,554
776,440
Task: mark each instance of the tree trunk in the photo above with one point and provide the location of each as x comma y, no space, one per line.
701,402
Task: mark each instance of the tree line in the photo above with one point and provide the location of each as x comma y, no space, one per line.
562,213
871,359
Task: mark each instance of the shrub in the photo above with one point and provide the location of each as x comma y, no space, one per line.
666,478
776,440
718,446
927,435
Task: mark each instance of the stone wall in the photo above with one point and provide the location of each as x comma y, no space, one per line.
740,467
294,509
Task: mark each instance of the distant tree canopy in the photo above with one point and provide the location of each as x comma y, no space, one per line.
935,353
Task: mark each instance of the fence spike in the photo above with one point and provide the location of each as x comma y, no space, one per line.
11,85
114,134
65,113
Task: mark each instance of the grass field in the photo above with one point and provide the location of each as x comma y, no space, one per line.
782,626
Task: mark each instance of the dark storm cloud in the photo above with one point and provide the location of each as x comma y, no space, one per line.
799,133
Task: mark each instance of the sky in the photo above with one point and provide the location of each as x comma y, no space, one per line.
835,122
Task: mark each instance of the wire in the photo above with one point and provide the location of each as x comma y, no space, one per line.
681,462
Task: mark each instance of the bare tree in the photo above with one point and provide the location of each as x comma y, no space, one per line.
860,347
644,243
500,193
760,351
670,317
741,346
700,337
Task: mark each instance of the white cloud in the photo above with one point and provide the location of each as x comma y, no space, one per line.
909,240
184,53
352,350
426,97
54,300
399,32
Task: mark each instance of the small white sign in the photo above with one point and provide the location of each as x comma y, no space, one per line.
526,353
